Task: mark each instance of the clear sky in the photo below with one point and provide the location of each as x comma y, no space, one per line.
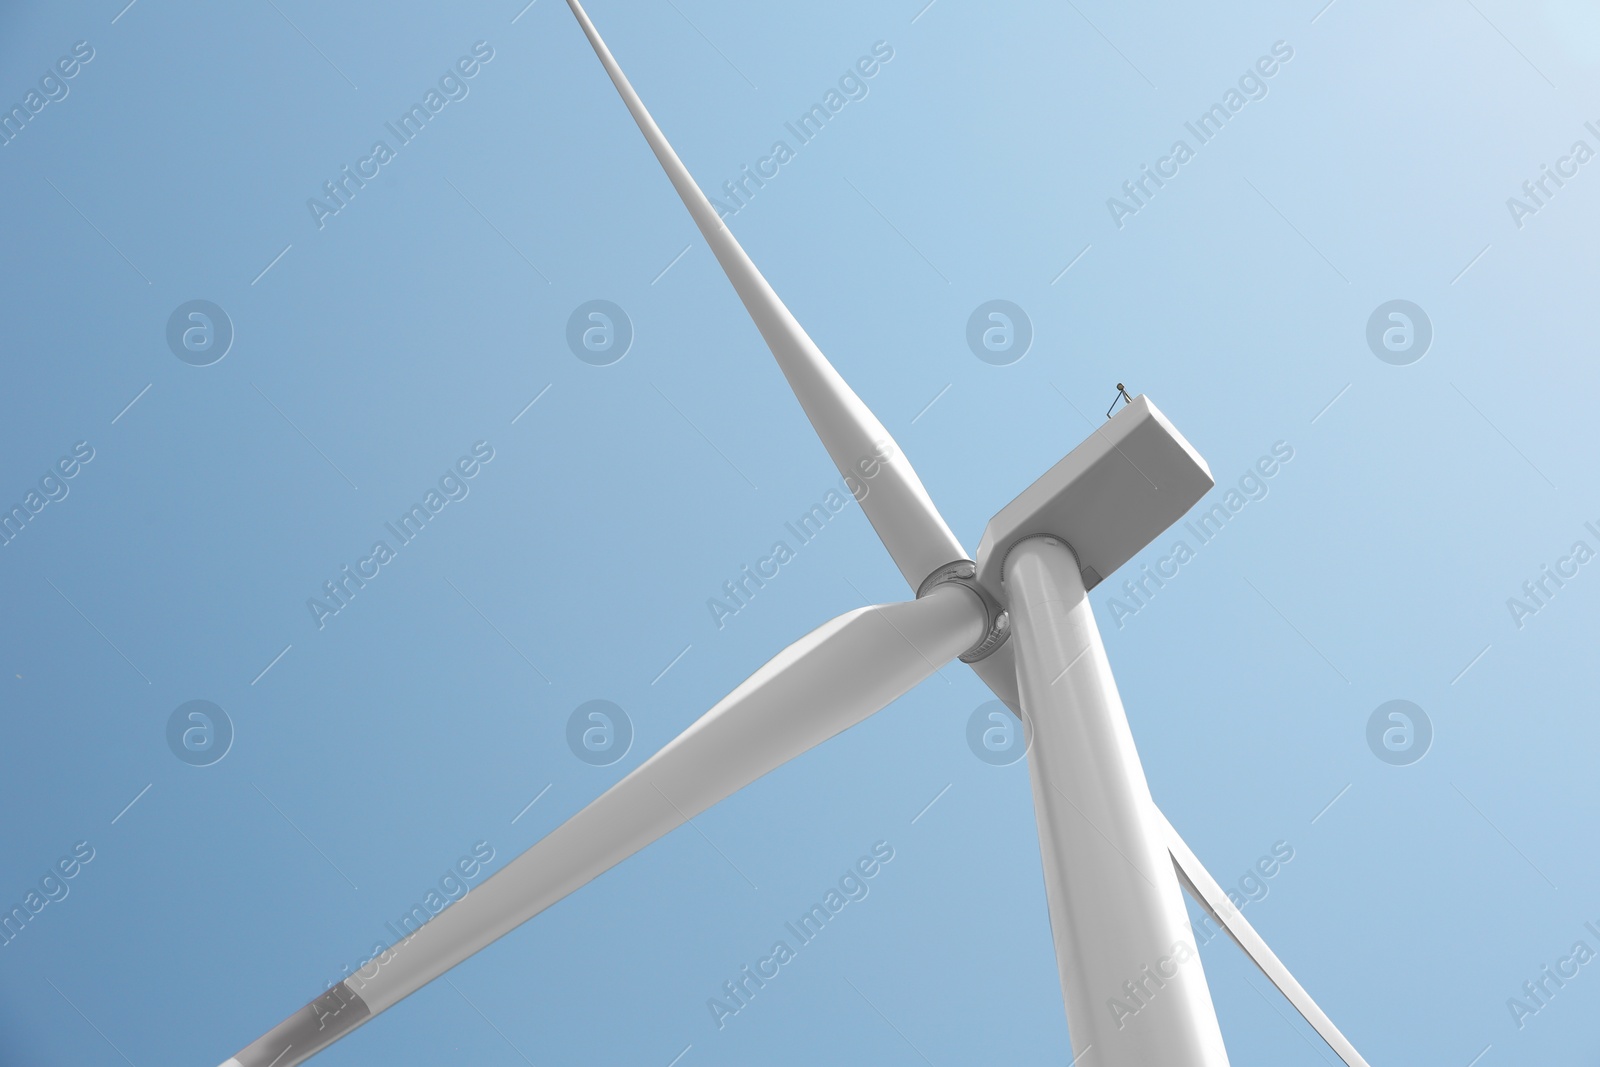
351,351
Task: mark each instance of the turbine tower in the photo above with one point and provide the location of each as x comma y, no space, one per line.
1115,870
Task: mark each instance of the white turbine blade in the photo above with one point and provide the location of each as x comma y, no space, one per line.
1214,899
896,502
824,683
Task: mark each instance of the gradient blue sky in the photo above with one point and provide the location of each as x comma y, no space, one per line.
428,312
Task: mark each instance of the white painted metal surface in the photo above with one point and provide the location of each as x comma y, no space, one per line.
1135,992
824,683
1112,495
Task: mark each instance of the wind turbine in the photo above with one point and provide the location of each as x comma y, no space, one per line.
1019,615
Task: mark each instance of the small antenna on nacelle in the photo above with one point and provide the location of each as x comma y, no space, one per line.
1122,394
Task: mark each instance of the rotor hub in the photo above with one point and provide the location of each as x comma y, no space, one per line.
964,572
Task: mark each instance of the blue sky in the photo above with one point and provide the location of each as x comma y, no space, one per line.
374,348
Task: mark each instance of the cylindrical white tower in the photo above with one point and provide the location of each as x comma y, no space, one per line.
1135,992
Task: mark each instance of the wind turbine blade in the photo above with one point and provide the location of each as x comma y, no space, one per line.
824,683
1214,899
896,503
